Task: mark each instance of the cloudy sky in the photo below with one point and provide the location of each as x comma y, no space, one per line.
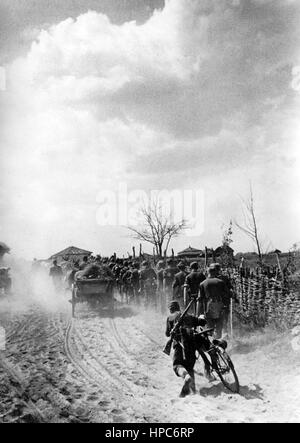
183,94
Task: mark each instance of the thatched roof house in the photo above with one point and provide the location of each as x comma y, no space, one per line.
190,254
70,253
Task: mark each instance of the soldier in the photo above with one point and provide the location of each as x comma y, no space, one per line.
160,274
117,269
185,346
134,280
96,270
227,297
160,285
70,277
56,273
193,280
85,262
168,276
126,278
178,283
213,293
147,282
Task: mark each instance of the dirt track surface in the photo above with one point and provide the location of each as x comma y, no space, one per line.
96,368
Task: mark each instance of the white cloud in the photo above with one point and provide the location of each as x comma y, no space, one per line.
202,88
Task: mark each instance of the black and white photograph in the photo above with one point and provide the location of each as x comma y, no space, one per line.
149,214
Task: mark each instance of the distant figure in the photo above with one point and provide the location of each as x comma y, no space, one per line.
213,294
169,275
147,273
70,277
135,280
160,285
179,281
160,274
147,283
66,265
56,273
85,262
226,298
96,270
194,279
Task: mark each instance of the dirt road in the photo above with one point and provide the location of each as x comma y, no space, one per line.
101,369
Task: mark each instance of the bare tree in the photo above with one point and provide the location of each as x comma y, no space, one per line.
157,228
249,226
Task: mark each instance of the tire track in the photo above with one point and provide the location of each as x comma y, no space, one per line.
72,355
148,336
122,344
40,353
110,361
17,385
133,373
91,367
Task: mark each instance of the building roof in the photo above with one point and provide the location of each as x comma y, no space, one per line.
190,251
71,250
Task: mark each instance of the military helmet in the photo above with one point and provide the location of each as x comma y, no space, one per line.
174,305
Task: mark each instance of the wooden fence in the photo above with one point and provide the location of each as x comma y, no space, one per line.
262,300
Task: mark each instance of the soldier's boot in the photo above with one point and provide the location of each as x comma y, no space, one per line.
188,383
